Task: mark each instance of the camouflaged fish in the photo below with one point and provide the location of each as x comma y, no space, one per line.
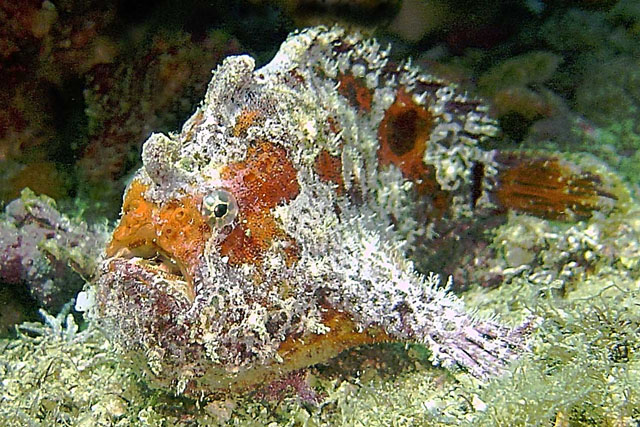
275,230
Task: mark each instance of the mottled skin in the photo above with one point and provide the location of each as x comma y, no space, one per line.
273,231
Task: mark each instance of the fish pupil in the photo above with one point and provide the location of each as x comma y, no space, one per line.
220,210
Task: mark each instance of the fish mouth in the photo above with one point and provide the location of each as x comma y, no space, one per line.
143,251
164,264
158,265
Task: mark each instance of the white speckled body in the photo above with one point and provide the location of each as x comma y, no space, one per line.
324,248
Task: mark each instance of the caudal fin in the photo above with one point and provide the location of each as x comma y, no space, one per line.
552,188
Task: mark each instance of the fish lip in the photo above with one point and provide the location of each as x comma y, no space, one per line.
158,264
141,271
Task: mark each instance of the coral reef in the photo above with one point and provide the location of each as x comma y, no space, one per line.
134,80
47,251
314,12
583,279
611,94
559,76
125,102
49,375
44,46
517,90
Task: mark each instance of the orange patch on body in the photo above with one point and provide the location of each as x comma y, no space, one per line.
177,231
403,135
249,240
334,126
266,179
135,229
356,92
329,169
244,121
182,231
315,348
548,189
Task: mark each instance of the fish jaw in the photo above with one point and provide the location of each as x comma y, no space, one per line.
174,339
167,238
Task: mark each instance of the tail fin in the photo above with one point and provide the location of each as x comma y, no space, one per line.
554,188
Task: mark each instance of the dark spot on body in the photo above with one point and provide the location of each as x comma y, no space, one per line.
477,174
401,132
356,91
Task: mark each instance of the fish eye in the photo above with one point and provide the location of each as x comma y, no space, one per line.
220,207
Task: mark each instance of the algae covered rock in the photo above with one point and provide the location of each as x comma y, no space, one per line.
46,251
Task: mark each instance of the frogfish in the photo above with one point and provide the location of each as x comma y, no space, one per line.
278,228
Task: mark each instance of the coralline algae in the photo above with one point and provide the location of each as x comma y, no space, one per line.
49,252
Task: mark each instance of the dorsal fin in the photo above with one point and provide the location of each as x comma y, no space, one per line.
429,130
390,121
